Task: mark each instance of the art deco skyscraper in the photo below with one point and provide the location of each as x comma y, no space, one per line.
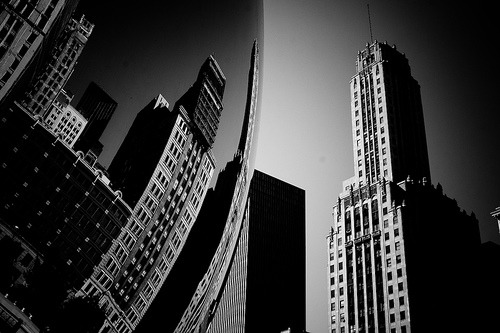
388,214
163,168
387,118
60,67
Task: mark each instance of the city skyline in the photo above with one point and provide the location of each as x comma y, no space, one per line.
278,151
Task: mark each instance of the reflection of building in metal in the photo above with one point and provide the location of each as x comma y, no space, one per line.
53,199
98,108
271,245
28,31
206,234
234,184
163,167
496,216
65,120
387,228
60,67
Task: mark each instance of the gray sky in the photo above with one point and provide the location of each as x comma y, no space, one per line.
309,50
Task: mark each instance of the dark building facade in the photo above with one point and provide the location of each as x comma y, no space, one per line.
53,199
397,244
98,108
265,289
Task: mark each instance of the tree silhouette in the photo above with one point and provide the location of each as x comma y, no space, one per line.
79,315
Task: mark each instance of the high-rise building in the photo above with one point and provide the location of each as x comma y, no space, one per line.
207,231
397,244
265,289
28,31
203,303
60,67
163,167
203,101
97,107
387,118
65,120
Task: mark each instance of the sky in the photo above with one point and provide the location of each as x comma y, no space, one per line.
308,52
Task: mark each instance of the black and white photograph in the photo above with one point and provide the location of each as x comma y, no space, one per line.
253,166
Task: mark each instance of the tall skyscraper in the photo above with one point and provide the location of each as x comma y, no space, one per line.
387,118
204,300
163,167
397,243
28,31
265,289
60,67
98,108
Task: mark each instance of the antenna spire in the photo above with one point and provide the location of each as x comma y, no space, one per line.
369,22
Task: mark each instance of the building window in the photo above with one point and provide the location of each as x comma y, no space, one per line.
400,286
396,232
391,303
402,315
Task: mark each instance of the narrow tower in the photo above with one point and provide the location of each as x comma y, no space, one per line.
389,222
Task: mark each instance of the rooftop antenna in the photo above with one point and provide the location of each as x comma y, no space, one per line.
369,22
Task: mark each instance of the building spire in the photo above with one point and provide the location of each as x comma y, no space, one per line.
369,22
